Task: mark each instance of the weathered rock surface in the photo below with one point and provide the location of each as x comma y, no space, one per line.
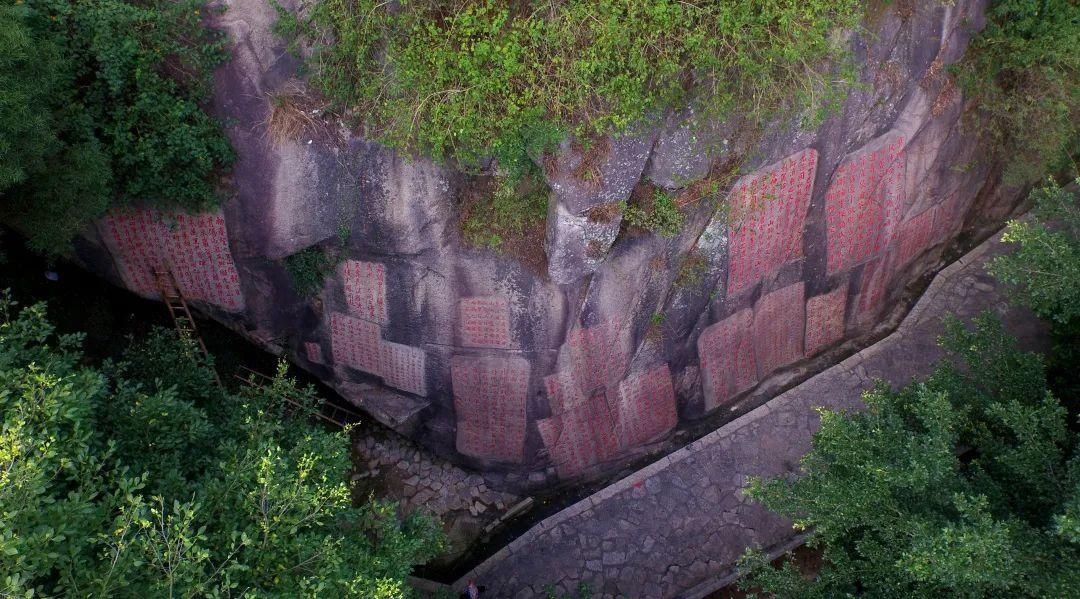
627,337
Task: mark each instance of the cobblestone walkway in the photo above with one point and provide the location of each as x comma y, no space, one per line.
675,527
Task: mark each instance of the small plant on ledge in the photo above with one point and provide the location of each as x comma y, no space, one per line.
661,215
309,268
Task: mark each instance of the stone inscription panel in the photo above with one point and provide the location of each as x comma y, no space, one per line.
597,356
485,321
778,328
550,429
726,351
136,241
768,213
356,343
825,319
864,202
646,407
194,248
197,248
914,237
563,392
365,289
872,287
582,436
490,393
403,367
314,352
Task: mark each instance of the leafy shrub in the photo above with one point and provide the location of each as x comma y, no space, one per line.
116,88
508,79
966,484
662,216
1024,72
308,269
29,75
1045,268
692,271
113,486
511,209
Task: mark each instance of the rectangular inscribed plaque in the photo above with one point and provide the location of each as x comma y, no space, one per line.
485,321
563,392
646,407
864,202
873,286
403,367
197,248
490,394
768,214
134,237
581,437
914,237
726,351
356,343
365,289
194,248
314,352
778,328
825,319
550,430
597,356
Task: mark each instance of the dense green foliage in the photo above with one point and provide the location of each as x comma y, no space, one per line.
493,77
512,209
660,216
144,479
964,485
101,103
54,175
1024,72
1045,268
1044,272
308,269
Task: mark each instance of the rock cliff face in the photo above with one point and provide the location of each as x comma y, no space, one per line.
627,337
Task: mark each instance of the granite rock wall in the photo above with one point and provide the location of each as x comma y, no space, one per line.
805,252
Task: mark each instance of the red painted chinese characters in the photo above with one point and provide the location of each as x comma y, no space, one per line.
768,214
489,399
864,203
365,289
726,350
193,247
485,321
825,319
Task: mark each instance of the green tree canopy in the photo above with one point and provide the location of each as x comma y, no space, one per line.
966,484
1043,271
1023,71
101,103
1045,268
141,478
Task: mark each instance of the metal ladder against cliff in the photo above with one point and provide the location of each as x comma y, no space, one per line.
180,314
337,416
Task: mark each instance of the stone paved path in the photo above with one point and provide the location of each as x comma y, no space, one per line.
676,526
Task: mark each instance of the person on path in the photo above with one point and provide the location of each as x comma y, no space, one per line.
471,591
